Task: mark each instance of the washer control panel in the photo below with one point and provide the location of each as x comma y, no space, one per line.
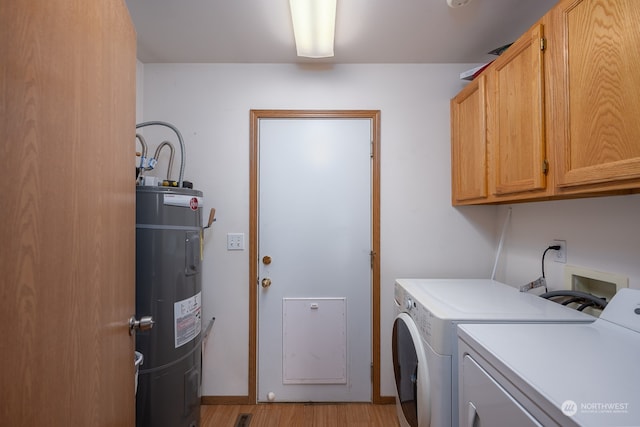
420,315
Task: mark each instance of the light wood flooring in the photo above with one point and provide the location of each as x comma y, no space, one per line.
301,414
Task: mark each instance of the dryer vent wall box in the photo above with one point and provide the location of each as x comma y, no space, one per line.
598,283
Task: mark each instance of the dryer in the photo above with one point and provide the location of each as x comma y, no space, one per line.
554,375
424,338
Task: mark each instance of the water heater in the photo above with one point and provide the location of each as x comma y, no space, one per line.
168,287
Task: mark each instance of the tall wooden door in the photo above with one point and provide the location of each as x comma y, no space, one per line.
67,114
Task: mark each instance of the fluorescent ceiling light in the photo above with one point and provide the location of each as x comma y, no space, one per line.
314,23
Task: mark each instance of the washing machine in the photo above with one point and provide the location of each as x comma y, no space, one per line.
424,338
554,375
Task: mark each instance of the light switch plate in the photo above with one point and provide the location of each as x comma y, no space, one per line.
235,241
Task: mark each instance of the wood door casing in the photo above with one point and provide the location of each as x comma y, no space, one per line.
255,116
67,107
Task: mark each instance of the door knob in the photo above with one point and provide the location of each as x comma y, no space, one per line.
266,282
145,323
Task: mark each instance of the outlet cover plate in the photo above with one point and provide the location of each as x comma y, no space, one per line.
561,255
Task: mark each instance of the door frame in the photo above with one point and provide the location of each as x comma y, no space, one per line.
255,116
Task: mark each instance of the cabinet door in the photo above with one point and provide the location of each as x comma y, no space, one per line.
597,92
517,139
469,143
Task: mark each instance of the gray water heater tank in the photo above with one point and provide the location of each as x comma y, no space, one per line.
168,287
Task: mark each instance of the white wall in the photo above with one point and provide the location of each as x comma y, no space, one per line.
421,234
139,91
602,234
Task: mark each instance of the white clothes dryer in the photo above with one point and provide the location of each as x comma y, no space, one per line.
554,375
424,339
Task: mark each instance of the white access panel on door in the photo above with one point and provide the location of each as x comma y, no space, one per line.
314,334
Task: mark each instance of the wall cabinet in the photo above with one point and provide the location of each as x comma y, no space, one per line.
596,93
562,109
517,138
469,143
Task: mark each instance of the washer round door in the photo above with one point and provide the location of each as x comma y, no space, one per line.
411,374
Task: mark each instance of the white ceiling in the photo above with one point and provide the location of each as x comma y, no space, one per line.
367,31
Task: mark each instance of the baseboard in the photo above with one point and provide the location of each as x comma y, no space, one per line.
385,400
226,400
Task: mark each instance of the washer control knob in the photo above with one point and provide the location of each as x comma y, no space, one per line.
408,304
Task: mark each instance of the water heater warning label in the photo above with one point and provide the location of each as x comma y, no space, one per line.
184,201
187,319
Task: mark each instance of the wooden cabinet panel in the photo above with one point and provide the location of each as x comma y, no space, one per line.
518,137
597,91
469,143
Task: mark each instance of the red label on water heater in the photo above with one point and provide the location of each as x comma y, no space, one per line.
184,201
193,203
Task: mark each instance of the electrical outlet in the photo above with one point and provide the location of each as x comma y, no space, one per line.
235,241
560,255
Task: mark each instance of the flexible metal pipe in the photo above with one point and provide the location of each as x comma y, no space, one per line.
173,128
172,150
144,149
143,157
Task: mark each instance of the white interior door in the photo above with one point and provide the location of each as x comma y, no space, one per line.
314,318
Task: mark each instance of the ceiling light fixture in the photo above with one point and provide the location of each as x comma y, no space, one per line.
314,23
